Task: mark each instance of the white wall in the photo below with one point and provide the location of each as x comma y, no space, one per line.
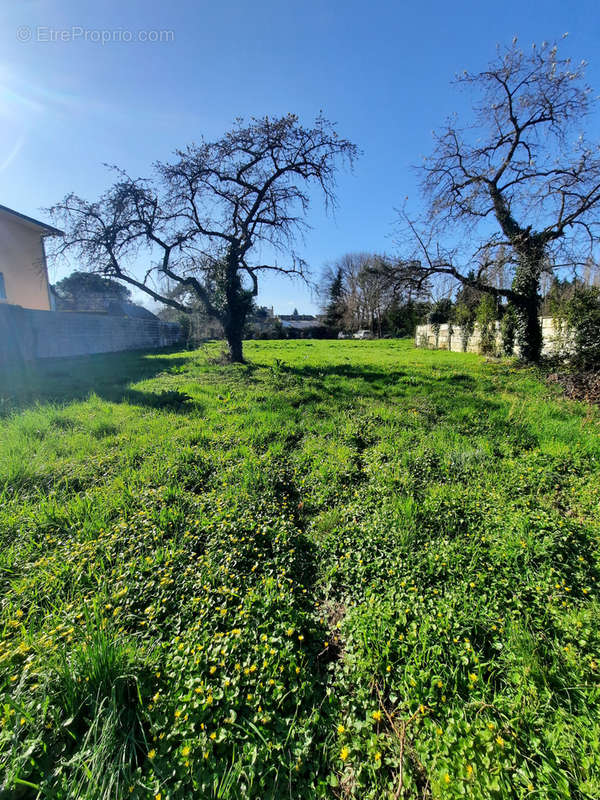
451,339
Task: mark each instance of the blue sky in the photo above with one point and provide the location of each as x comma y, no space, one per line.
381,70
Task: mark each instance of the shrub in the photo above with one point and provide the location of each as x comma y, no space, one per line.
508,330
486,317
439,314
581,314
464,316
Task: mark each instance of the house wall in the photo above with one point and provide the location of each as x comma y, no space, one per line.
425,336
27,334
23,265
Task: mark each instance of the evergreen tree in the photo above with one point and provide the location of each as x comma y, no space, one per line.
335,308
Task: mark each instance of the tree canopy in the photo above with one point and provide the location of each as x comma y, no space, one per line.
79,289
521,178
196,223
368,290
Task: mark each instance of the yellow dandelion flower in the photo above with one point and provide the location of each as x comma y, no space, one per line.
344,753
376,716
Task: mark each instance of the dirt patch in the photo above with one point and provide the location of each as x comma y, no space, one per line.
334,613
578,385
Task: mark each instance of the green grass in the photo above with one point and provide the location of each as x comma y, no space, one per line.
346,569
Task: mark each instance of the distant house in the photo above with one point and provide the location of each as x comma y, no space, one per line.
23,271
302,325
298,318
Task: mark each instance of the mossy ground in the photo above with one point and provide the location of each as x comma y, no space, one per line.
346,569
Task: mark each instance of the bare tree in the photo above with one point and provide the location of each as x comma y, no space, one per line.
367,285
521,182
197,221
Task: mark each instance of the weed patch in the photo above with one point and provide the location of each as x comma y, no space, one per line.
343,570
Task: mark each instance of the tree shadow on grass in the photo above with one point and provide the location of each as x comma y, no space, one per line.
107,375
468,404
444,388
366,373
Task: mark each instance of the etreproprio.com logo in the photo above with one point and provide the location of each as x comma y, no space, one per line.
103,36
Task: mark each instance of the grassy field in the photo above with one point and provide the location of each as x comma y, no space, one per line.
346,569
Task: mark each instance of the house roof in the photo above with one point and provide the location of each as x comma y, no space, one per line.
47,230
301,325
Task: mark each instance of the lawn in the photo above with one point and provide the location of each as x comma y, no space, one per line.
345,569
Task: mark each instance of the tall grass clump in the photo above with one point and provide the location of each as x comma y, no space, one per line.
78,725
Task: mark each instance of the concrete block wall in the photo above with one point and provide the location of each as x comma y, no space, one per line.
450,338
27,334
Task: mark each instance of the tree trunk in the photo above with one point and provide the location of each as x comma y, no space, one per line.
527,304
233,334
528,329
238,304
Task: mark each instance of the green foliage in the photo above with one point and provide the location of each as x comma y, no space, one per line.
79,288
464,316
580,314
401,320
508,330
468,296
486,316
335,310
305,577
440,313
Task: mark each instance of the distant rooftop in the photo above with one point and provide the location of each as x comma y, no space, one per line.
297,317
301,325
